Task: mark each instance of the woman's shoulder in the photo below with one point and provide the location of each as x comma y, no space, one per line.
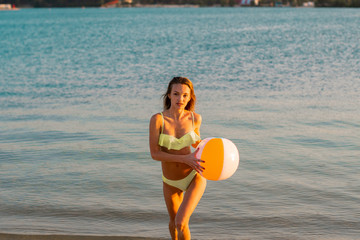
156,115
156,118
197,117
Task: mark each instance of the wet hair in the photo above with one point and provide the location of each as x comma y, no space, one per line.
180,80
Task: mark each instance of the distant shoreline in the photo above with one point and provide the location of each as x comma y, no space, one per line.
166,6
181,6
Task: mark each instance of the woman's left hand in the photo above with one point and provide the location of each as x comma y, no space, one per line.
194,162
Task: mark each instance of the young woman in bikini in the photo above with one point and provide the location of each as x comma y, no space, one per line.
172,132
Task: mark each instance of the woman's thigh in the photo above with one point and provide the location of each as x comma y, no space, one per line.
173,199
191,199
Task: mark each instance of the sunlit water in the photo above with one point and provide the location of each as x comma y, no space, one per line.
78,86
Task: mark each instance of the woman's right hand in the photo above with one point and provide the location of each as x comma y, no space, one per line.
194,162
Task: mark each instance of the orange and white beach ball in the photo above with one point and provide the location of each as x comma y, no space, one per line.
221,158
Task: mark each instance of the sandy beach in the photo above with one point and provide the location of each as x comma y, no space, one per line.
5,236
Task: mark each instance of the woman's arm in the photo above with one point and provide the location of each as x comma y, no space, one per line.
157,154
197,122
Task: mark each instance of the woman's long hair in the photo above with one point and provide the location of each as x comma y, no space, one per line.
180,80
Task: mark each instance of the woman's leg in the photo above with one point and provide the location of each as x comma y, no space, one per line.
188,205
173,198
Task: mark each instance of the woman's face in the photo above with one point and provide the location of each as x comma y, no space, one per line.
179,96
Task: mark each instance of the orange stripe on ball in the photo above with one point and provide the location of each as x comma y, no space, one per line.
213,155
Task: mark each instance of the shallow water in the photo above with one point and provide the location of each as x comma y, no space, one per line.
78,87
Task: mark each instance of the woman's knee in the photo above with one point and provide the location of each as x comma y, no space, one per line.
172,224
181,224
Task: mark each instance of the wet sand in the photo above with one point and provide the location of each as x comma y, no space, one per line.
5,236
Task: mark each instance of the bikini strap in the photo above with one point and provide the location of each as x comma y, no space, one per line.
163,123
192,115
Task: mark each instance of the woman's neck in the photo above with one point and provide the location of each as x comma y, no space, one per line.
176,113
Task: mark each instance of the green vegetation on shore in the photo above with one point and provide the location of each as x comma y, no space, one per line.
98,3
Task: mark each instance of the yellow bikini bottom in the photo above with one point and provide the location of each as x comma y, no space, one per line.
182,184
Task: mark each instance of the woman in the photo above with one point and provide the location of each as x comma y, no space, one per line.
171,134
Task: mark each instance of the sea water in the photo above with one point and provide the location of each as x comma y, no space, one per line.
78,87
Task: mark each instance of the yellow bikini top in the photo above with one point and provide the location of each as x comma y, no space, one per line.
171,142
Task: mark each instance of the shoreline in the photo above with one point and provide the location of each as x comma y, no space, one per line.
13,236
164,6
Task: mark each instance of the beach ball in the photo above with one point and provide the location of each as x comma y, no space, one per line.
221,158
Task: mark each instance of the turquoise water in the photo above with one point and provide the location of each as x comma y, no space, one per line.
78,87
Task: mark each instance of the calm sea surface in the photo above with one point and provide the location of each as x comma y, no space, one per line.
78,87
